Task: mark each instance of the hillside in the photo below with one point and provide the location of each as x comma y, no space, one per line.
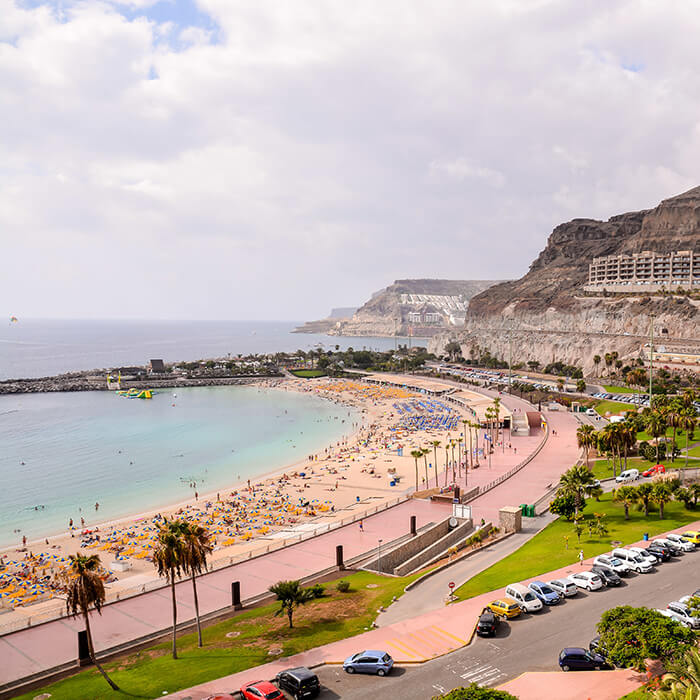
421,307
555,318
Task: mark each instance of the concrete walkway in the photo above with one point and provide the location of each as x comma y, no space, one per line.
434,634
431,593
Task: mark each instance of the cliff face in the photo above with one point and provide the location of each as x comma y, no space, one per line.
556,320
422,307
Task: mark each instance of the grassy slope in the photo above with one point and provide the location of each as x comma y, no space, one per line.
613,406
602,469
308,373
547,550
612,389
150,672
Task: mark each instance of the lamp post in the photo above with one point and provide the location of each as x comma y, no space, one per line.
379,558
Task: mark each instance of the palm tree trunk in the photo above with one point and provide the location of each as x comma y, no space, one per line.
661,510
416,461
447,465
673,444
91,651
425,463
437,485
290,612
172,591
196,611
471,451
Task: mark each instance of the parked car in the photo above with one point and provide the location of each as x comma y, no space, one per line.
578,659
608,576
656,469
647,555
505,608
627,475
525,598
683,611
544,592
595,647
260,690
633,560
682,542
658,549
564,587
488,623
587,580
673,616
692,536
299,682
613,563
673,546
591,412
378,662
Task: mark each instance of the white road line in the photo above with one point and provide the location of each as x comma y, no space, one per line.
475,672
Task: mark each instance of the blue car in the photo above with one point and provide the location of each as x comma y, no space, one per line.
378,662
544,592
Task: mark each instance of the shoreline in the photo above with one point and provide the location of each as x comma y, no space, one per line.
202,497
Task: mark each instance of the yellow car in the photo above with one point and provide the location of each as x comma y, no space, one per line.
692,535
505,607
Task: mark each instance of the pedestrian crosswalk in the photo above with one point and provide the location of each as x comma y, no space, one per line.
476,670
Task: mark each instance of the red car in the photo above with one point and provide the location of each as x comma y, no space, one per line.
656,469
261,690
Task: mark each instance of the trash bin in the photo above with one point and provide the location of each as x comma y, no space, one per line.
523,509
646,536
531,511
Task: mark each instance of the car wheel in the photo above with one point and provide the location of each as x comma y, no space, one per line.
565,668
350,669
381,672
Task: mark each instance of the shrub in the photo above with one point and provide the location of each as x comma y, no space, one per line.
343,586
318,590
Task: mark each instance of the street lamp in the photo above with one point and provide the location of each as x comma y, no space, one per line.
379,559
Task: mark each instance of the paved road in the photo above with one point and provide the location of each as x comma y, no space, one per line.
530,643
430,595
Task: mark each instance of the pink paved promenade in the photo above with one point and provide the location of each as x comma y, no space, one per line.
436,633
54,643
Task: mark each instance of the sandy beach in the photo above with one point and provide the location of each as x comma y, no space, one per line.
372,464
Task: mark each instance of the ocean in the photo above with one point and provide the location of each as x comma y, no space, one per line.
39,348
63,452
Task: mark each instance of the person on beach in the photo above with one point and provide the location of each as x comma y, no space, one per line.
97,506
362,529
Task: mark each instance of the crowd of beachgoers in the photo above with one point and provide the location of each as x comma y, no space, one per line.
372,463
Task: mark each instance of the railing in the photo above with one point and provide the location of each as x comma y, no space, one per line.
58,611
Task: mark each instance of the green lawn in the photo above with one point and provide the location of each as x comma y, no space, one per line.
150,672
548,549
614,407
602,468
693,451
307,373
612,389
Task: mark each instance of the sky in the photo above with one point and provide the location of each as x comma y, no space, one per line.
268,159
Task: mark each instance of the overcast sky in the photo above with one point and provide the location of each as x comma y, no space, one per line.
271,159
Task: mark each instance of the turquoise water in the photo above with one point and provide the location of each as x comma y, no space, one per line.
133,455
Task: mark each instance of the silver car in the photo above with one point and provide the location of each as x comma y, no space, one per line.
563,587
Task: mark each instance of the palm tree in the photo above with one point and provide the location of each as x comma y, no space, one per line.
436,444
596,362
688,423
197,547
627,495
684,674
585,437
661,494
425,452
643,496
575,481
168,558
416,454
628,436
674,418
656,425
84,588
447,461
291,595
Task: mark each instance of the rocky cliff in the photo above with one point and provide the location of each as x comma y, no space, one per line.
555,319
421,307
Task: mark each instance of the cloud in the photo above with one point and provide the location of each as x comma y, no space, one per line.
271,160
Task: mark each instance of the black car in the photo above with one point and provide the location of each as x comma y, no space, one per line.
577,659
299,682
487,624
660,550
610,577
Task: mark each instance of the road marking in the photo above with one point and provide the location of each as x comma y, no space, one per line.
440,689
471,673
442,631
404,649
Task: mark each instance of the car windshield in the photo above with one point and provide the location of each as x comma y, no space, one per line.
638,559
274,694
529,596
546,590
615,562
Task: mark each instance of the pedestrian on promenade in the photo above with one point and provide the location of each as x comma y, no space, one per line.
361,526
580,557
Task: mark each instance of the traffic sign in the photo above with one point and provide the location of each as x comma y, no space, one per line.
451,584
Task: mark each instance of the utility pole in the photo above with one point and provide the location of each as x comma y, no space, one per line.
651,353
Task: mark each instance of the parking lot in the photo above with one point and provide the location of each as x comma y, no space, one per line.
528,643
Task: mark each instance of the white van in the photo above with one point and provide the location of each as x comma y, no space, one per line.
616,419
633,560
524,597
627,475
